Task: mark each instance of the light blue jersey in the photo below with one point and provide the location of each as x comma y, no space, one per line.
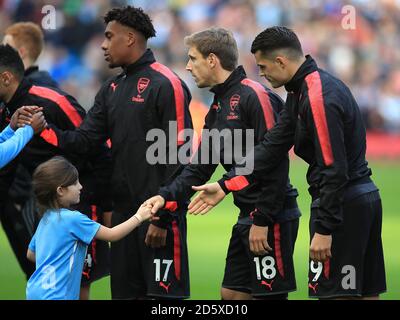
60,243
12,142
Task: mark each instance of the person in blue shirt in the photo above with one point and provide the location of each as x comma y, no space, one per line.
59,244
19,132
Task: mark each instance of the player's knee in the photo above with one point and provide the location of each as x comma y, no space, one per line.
228,294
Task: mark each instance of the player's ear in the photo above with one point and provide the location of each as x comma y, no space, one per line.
131,39
22,52
281,61
6,78
212,60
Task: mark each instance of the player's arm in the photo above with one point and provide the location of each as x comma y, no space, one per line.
263,115
14,145
9,131
262,159
325,124
6,134
172,106
176,194
91,133
260,112
173,98
266,156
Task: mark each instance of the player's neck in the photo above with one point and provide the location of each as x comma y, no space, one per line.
221,76
27,63
294,67
137,54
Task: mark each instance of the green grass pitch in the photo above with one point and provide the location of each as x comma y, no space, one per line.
208,238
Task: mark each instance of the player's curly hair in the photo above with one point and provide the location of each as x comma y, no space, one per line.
132,17
276,38
11,61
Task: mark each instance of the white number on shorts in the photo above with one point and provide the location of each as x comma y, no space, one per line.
158,268
49,278
317,270
268,267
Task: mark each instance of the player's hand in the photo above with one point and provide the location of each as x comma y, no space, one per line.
38,122
258,239
23,116
144,213
320,248
156,202
209,196
156,237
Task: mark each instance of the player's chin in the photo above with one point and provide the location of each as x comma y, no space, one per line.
201,84
275,84
113,65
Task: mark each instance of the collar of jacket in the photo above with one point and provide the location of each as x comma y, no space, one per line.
146,59
30,70
306,68
234,78
22,91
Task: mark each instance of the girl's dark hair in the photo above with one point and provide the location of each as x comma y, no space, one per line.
48,176
132,17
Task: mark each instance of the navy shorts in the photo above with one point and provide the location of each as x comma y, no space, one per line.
268,275
357,265
138,271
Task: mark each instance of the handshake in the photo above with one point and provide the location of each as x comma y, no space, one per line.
149,208
208,197
29,115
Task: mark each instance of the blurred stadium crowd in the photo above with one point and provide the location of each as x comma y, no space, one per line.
367,58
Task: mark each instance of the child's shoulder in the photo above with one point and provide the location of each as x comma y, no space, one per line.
69,212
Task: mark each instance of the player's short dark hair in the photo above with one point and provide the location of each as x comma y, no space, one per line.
11,61
218,41
277,38
132,17
48,176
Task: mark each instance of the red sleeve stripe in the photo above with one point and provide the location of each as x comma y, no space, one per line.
327,268
314,85
179,96
171,206
177,250
60,100
263,97
236,183
278,252
50,137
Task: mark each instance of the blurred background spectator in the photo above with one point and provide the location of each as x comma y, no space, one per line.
367,57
